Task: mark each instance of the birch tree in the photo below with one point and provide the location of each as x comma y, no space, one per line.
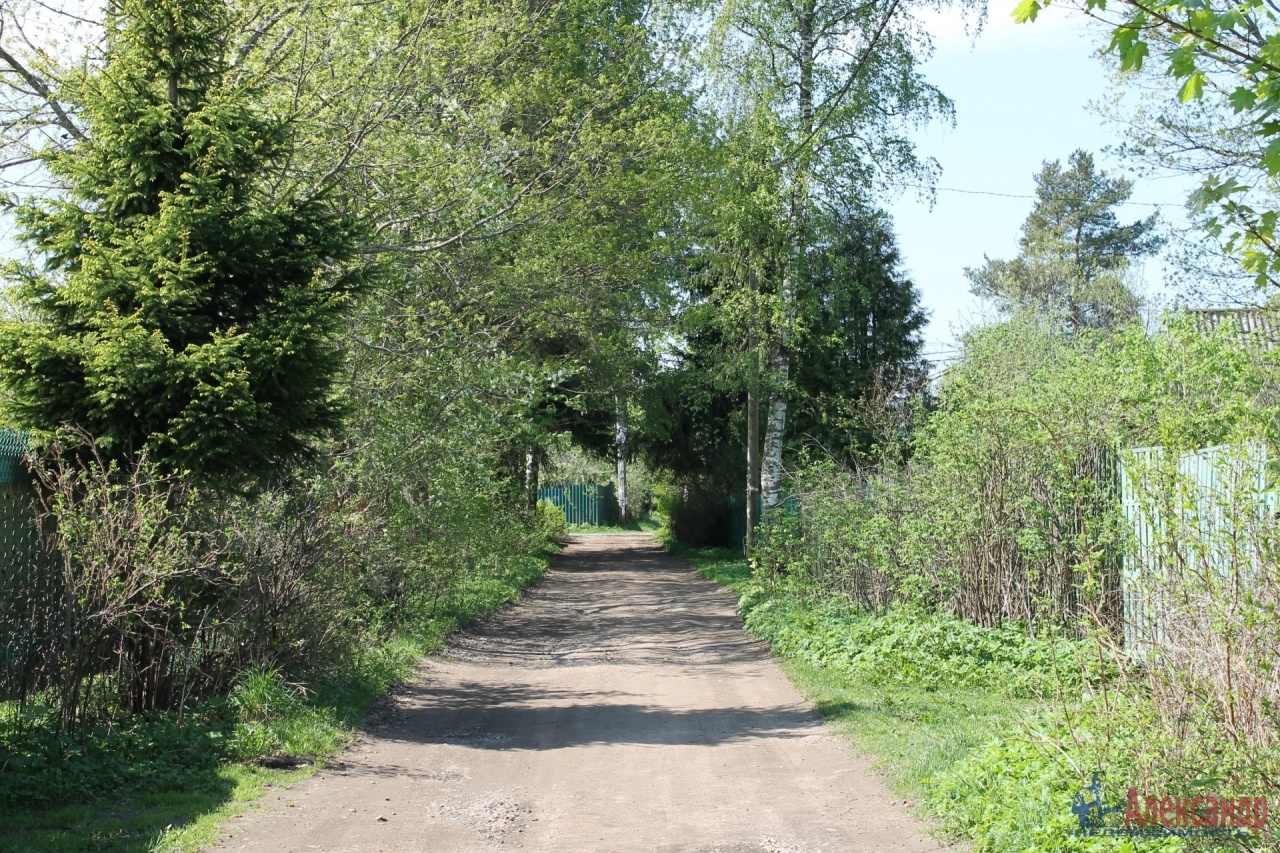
839,85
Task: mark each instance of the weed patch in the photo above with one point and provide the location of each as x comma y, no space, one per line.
163,782
907,647
962,719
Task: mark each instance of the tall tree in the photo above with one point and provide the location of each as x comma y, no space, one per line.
182,306
1076,206
1223,55
836,83
540,170
1074,251
862,331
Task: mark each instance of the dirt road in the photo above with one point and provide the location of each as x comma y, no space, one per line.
619,707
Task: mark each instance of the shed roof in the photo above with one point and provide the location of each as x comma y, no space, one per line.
1253,324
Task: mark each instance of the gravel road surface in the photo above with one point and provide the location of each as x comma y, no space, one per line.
618,707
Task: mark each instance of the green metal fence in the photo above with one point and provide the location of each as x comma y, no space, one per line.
28,586
13,454
583,503
1195,514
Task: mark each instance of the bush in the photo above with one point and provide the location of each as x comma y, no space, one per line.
273,718
141,585
550,523
695,516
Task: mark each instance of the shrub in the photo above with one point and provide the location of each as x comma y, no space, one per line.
549,521
695,516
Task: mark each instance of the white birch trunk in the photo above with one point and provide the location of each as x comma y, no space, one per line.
775,429
753,466
797,243
620,448
531,477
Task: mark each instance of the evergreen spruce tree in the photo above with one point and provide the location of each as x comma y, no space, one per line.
864,330
182,307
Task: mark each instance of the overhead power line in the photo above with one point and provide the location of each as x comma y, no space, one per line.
1034,197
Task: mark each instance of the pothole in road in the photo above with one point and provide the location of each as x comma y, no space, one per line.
495,818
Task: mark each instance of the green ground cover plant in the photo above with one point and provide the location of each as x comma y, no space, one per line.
908,646
982,554
165,781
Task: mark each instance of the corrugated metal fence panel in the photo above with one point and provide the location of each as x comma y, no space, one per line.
1142,559
1197,511
583,503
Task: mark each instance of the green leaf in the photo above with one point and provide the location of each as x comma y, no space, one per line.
1242,99
1271,158
1193,87
1027,11
1127,41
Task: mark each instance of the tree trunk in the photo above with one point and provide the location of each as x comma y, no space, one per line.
753,426
753,466
531,477
795,247
775,428
620,448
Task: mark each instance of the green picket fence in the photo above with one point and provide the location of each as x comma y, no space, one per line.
590,504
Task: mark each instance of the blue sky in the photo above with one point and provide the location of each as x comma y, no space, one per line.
1022,95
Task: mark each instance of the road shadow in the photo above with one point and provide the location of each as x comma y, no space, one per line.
631,604
484,715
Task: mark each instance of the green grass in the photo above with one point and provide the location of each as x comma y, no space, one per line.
948,711
644,524
722,565
914,735
166,785
181,821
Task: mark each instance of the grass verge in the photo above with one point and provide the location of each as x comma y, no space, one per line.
953,714
160,784
637,525
722,565
914,735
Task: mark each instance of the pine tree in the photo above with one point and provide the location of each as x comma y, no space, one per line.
1074,251
182,307
1076,206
